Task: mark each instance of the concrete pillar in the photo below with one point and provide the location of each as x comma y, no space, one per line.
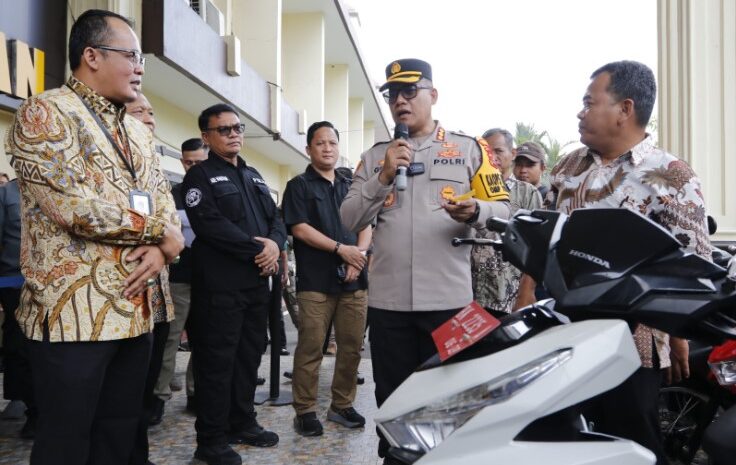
697,98
303,63
226,8
355,126
337,95
258,25
369,134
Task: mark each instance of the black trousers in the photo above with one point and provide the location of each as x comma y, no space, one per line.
228,331
400,342
630,411
89,397
139,456
17,380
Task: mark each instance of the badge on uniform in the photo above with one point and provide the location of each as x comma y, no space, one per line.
193,197
141,202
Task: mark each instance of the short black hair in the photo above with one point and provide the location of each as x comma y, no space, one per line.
91,28
632,80
204,118
190,145
508,138
320,124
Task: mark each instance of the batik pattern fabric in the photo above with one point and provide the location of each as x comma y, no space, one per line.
649,181
77,224
495,281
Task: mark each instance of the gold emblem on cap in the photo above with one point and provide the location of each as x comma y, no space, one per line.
395,67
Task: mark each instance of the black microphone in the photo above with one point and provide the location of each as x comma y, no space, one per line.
401,132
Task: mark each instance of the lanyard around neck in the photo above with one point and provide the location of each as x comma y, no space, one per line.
128,163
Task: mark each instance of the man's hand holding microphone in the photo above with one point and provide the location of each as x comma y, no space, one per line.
397,159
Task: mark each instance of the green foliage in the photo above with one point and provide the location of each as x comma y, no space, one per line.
527,132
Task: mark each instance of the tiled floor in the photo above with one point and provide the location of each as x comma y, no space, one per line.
173,443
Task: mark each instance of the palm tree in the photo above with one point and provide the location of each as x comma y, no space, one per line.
527,132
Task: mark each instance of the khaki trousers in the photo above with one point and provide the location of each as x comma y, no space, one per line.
181,295
348,312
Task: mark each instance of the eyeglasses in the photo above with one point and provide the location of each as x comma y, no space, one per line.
225,130
134,56
408,92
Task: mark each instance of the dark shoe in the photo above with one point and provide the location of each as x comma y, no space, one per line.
308,424
191,406
218,455
284,352
184,347
288,374
29,429
260,381
360,379
346,417
254,436
157,413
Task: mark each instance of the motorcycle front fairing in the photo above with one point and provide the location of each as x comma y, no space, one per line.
451,409
478,409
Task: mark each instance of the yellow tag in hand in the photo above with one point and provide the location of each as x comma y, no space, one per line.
466,196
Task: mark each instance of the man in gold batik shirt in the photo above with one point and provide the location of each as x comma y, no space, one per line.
98,227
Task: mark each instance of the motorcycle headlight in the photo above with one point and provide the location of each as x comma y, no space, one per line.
425,428
724,371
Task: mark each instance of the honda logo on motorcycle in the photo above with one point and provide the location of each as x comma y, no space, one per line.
591,258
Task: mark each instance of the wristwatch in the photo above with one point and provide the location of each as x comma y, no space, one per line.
475,216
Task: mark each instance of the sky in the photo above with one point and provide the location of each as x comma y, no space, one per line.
498,62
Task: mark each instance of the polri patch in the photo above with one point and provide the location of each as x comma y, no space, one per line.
193,197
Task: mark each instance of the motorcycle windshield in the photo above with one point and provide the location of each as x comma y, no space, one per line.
615,263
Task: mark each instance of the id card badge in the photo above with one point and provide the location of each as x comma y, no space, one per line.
141,202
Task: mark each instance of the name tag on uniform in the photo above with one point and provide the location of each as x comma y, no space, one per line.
141,202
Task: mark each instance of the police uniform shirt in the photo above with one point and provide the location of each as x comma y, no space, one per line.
228,206
310,198
414,266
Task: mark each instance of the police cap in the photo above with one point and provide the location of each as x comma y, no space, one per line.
406,71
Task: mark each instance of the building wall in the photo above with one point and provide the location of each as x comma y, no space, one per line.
697,97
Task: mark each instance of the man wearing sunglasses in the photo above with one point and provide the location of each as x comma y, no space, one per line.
98,227
418,280
239,236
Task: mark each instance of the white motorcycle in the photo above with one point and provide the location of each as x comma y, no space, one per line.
515,396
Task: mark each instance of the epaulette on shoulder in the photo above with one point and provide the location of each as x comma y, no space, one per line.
382,142
460,133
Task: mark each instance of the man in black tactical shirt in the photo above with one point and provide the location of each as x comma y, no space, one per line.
239,235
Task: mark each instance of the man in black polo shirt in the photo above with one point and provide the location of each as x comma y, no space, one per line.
239,235
330,283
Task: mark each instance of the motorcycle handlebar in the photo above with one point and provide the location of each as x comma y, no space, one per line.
458,241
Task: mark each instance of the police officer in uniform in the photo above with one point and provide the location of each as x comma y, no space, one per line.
417,279
239,235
